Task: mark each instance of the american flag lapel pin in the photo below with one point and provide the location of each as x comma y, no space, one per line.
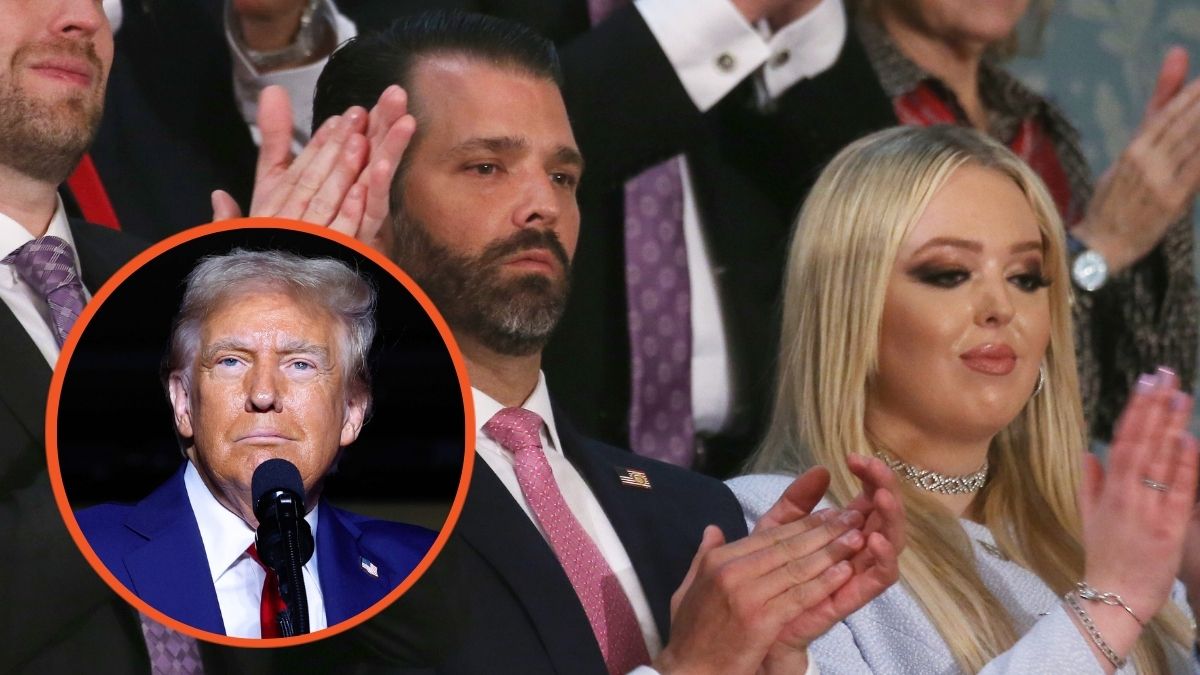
369,567
635,478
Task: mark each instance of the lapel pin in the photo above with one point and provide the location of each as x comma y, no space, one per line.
369,567
635,478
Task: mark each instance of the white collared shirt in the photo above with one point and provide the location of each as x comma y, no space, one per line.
236,576
26,304
575,490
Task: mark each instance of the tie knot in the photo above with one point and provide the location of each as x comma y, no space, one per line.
515,429
46,264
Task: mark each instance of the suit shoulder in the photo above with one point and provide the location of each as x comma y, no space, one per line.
703,495
102,516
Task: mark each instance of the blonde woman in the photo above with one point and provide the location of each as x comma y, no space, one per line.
927,321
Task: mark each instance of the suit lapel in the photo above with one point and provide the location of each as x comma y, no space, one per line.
495,526
635,514
26,376
171,570
346,587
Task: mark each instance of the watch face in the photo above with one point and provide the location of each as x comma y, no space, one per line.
1089,271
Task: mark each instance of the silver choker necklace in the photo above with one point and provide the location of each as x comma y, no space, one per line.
932,481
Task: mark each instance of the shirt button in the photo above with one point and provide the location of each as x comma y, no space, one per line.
725,62
781,58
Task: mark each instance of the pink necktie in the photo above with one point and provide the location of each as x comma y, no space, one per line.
605,603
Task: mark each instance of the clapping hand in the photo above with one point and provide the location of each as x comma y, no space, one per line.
1136,515
1154,181
343,176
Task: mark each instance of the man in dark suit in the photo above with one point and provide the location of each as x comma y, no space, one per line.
644,83
55,613
568,549
268,360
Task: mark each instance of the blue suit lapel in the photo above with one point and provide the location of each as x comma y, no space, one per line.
171,570
495,526
346,587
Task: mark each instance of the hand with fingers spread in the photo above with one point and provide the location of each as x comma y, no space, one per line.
342,177
1154,181
737,597
1139,509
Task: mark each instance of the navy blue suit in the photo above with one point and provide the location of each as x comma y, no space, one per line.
512,608
154,548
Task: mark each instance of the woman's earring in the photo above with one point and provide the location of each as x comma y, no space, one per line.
1041,380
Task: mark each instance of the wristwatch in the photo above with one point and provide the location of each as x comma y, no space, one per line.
313,32
1089,269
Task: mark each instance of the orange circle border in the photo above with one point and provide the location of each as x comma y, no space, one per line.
85,317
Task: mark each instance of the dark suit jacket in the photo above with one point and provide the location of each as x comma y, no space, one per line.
523,616
154,549
629,111
55,613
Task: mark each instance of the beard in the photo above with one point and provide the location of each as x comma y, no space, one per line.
44,139
514,316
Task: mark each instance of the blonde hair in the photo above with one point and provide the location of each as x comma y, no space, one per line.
846,240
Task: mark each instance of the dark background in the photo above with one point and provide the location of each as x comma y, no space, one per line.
115,429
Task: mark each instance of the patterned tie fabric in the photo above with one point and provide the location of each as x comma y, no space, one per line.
608,610
658,297
171,653
272,603
48,266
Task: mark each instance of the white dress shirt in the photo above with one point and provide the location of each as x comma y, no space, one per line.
713,49
236,576
575,491
26,304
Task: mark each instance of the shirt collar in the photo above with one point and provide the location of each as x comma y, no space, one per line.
225,535
538,402
13,235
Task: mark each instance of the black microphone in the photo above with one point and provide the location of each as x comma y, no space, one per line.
284,539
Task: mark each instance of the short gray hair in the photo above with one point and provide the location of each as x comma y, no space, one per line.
327,282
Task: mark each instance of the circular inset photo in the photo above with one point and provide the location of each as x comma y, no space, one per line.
259,432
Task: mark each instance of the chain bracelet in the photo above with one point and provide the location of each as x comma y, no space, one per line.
1093,632
1086,592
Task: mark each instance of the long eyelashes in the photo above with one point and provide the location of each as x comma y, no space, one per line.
951,277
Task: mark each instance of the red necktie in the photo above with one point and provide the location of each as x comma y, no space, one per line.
90,194
272,604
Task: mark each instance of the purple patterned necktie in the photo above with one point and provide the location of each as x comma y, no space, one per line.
171,652
658,297
48,266
608,609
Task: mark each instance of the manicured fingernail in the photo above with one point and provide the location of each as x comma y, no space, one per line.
1179,401
1145,383
851,538
1166,377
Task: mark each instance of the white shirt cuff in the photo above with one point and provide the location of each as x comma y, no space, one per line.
299,82
804,48
709,42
